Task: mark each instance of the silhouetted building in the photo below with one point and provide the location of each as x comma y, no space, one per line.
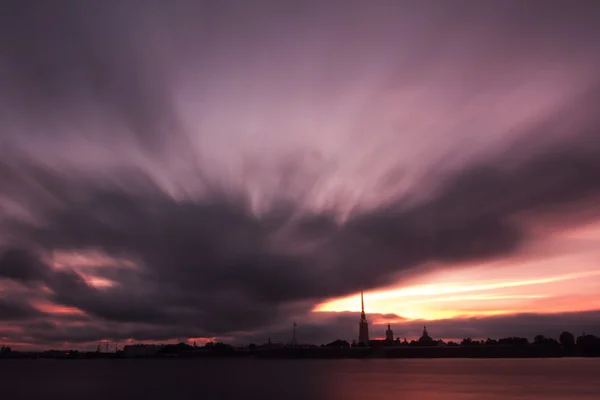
338,343
272,345
294,342
389,334
4,351
141,350
363,325
426,340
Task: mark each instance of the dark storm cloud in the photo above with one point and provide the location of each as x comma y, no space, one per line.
475,210
211,266
144,297
202,261
49,334
11,310
20,265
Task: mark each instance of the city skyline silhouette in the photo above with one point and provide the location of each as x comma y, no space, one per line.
198,171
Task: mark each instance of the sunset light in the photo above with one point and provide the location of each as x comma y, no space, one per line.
238,172
300,199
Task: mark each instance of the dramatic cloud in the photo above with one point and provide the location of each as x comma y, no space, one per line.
229,180
19,265
11,310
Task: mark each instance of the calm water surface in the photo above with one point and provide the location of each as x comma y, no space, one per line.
430,379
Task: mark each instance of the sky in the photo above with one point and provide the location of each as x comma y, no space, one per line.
216,170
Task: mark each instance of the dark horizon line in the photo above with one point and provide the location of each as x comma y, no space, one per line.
467,341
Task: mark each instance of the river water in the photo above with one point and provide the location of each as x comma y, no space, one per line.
424,379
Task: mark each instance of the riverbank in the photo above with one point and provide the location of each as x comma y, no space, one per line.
497,351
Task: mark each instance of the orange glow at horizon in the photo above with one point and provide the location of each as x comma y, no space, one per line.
539,284
201,341
435,301
559,274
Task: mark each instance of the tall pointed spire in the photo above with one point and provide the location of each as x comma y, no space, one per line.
363,330
362,302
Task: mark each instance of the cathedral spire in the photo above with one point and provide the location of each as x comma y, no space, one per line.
363,331
362,302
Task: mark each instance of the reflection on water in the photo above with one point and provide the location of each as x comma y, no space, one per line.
302,379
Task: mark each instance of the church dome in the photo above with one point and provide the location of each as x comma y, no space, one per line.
425,339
